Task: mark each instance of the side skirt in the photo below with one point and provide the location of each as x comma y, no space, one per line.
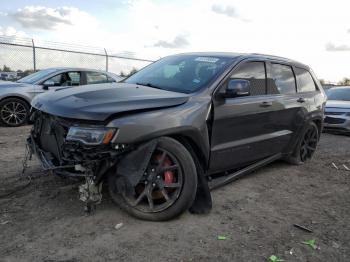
223,180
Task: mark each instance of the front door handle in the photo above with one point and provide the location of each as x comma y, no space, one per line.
301,100
266,104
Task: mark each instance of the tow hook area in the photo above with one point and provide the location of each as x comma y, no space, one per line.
90,193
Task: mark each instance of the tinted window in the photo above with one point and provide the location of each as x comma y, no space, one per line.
305,80
338,94
74,78
66,79
255,73
283,81
181,73
96,78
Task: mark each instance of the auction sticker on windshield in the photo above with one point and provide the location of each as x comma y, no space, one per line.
207,59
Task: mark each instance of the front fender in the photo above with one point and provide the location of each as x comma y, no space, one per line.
188,120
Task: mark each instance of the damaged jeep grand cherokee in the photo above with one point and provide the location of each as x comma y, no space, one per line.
186,124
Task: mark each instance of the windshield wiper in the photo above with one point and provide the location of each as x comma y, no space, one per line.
149,85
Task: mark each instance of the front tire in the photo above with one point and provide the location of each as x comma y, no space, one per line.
168,188
306,146
13,112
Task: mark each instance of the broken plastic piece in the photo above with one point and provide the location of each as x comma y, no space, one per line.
302,228
118,226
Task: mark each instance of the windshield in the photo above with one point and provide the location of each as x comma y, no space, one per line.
339,94
32,78
183,73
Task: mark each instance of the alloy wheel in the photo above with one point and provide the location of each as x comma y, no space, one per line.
160,185
309,143
13,113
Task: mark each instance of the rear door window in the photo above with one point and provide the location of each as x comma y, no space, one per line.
282,80
96,78
305,81
74,78
255,73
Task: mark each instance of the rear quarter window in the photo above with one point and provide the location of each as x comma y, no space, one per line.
305,81
96,78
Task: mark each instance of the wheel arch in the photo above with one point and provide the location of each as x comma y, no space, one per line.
16,97
319,124
193,148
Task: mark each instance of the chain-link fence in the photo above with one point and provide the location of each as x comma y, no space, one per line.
22,56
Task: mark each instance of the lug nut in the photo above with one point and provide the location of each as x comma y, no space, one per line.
146,182
152,170
158,177
154,184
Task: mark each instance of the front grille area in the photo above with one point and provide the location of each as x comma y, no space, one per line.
331,120
49,135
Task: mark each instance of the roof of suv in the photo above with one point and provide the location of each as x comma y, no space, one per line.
242,56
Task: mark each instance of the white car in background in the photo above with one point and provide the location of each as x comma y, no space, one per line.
337,110
15,97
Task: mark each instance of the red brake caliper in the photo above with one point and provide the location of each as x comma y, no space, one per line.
168,175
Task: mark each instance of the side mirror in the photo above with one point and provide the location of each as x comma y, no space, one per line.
237,88
47,84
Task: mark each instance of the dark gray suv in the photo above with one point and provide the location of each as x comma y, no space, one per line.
183,125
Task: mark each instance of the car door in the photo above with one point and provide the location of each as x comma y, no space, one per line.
282,87
249,128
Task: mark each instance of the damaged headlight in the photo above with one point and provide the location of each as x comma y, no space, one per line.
91,135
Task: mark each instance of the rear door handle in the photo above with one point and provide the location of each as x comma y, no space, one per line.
301,100
266,104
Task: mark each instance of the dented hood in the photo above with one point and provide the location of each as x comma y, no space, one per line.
98,102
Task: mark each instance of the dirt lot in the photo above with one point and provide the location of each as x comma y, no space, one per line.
45,221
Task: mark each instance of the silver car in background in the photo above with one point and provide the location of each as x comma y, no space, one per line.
15,97
337,110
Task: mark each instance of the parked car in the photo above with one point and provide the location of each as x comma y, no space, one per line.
15,97
338,110
181,126
8,76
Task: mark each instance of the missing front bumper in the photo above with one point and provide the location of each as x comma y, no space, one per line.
45,158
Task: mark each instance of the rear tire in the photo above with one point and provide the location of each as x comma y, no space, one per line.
149,201
306,146
13,112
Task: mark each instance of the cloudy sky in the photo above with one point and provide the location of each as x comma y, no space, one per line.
315,32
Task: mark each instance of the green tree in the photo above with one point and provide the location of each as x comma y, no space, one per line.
6,69
28,72
344,82
133,71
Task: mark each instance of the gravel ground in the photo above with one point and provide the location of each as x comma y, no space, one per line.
45,220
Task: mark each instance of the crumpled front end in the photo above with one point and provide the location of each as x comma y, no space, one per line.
48,141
